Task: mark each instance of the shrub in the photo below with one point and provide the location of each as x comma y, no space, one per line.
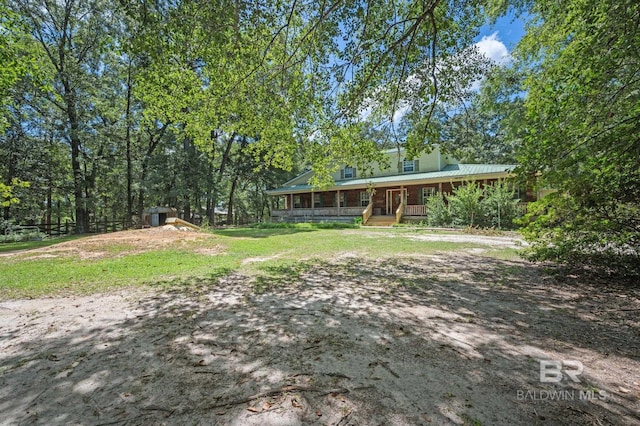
16,235
467,208
562,230
500,207
438,212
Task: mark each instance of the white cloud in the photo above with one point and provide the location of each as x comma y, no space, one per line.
494,49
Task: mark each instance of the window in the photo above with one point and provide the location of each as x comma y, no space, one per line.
349,173
408,166
428,191
317,201
517,192
364,198
297,202
343,199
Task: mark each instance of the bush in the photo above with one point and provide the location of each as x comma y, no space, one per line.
467,208
472,206
500,208
16,234
438,212
562,230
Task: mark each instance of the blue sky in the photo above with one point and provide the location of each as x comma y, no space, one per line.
498,40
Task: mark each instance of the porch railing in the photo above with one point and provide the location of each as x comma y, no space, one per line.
320,211
366,214
415,210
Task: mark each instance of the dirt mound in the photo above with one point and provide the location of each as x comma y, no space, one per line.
119,243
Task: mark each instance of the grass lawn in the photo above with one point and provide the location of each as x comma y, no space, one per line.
86,266
28,245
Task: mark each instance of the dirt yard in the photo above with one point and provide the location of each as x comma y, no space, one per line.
439,339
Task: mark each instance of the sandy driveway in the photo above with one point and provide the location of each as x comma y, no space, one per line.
443,339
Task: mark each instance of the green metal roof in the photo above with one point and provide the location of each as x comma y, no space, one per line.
451,171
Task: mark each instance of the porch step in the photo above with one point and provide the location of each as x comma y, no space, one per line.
381,221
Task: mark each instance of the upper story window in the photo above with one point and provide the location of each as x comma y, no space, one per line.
349,173
408,166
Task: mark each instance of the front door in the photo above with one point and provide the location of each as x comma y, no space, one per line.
394,198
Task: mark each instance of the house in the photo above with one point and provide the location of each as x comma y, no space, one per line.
388,195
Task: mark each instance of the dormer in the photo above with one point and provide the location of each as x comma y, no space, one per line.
348,172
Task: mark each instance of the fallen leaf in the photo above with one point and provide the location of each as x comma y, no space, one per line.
200,363
295,403
319,413
266,405
253,409
623,390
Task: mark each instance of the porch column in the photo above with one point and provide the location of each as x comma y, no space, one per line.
313,204
291,203
339,208
440,187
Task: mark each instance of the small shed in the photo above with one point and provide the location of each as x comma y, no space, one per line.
156,216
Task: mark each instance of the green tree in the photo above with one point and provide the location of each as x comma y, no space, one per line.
583,108
74,36
17,55
7,196
491,128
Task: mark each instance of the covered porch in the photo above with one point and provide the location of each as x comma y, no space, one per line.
345,205
327,205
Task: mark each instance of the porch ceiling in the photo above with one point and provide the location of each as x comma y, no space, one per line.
449,173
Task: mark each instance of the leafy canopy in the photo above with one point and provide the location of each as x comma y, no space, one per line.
583,108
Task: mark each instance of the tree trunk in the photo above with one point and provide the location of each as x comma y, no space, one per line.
234,183
128,143
223,165
188,176
141,191
154,140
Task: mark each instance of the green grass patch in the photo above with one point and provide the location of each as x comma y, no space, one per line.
265,253
29,245
319,225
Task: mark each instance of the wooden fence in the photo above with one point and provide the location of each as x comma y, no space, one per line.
67,228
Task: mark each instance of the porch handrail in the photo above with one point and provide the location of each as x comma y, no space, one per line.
400,212
366,214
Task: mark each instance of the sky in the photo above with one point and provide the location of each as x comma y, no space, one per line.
498,40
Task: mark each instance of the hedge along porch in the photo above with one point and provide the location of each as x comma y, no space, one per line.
394,196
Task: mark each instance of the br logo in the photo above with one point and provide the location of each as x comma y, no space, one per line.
554,371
